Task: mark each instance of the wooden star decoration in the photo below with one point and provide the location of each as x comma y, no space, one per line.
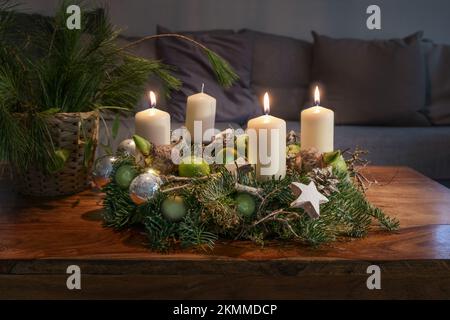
308,198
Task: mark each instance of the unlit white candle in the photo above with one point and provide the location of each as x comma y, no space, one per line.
200,107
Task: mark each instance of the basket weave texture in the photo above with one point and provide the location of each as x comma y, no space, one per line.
69,131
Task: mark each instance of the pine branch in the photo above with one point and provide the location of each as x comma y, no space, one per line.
13,143
224,72
160,232
390,224
192,234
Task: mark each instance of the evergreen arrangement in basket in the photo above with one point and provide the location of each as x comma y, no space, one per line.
53,84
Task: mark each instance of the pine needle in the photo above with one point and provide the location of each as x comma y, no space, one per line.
223,71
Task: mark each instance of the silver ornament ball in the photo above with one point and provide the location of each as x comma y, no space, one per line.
144,187
103,168
127,147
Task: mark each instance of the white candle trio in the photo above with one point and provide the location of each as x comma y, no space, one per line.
267,134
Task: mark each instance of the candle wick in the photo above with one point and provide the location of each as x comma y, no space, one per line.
203,87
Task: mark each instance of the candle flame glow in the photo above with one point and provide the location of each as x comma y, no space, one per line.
152,97
317,96
266,103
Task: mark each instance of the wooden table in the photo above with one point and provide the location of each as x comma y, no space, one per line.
40,239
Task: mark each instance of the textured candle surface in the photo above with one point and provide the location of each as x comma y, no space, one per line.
267,133
200,107
317,129
154,125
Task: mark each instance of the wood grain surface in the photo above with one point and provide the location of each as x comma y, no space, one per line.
40,238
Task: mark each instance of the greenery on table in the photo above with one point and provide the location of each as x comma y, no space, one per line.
212,211
52,69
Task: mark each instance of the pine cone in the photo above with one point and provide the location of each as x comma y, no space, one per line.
310,159
325,180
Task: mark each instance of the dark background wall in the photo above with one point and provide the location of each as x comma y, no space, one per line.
339,18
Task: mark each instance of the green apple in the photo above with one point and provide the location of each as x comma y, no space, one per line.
246,204
193,167
124,175
173,208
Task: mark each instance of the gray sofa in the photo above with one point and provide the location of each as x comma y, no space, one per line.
424,148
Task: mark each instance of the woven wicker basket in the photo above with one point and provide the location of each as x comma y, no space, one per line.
69,131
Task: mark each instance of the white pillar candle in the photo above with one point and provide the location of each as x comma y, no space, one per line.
202,108
317,127
153,124
267,144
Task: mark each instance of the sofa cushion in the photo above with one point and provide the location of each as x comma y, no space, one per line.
281,66
235,104
438,68
378,82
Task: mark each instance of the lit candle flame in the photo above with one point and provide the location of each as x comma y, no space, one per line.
317,96
152,97
266,103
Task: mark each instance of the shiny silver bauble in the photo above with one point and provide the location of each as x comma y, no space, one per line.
144,187
103,168
127,147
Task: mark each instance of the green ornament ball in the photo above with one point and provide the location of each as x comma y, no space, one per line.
336,160
193,167
246,204
124,175
173,208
